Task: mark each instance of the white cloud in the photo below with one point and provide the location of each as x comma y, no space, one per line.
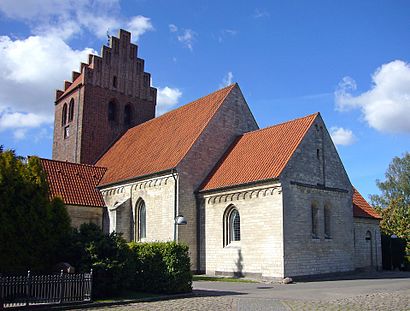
341,136
30,71
386,106
227,80
138,25
173,28
65,19
260,13
167,98
187,38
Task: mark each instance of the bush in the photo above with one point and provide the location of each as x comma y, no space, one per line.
161,267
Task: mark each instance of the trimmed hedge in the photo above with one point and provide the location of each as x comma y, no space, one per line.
162,267
158,267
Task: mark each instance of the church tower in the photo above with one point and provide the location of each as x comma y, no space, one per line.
109,95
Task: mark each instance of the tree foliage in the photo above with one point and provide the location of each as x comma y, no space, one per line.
33,228
394,202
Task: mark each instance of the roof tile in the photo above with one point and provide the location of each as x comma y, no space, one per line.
259,155
361,208
74,183
160,143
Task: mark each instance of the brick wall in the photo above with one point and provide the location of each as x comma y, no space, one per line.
368,252
305,255
232,119
117,75
259,253
84,214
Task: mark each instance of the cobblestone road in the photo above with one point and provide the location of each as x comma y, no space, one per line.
361,294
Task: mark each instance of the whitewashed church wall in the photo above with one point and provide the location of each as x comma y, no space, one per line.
315,175
232,119
158,195
368,252
259,253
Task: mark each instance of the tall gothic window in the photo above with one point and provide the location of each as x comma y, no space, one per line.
127,115
112,111
328,233
71,111
142,220
232,225
64,115
315,221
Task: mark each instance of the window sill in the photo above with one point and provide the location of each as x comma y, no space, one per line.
234,244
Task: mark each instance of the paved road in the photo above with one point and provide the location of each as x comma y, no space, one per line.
382,291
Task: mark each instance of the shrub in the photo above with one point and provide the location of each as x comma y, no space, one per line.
162,267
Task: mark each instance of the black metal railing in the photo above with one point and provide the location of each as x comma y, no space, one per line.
20,291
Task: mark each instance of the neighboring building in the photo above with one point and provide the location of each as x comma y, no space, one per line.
76,184
267,203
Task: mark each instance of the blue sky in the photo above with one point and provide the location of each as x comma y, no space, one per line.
347,59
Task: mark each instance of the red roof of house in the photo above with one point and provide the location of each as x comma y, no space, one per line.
259,155
74,183
361,208
160,143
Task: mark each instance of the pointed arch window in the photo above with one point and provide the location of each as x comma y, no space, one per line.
142,220
71,111
64,115
327,218
127,115
112,111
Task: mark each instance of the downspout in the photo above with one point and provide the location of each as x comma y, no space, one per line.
176,186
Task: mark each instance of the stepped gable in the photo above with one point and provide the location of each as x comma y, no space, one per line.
361,208
74,183
132,79
259,155
161,143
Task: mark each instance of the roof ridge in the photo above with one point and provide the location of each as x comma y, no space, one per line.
183,106
282,123
73,163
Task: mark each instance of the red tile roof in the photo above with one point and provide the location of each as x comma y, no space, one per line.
361,208
259,155
161,143
74,183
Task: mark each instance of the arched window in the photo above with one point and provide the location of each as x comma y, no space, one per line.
142,220
326,211
127,115
71,111
112,111
232,225
315,221
368,236
64,115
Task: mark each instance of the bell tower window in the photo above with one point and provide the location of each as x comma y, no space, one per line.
112,111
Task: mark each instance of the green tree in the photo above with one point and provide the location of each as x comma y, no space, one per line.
33,228
394,202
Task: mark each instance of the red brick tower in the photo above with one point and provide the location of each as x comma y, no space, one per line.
109,95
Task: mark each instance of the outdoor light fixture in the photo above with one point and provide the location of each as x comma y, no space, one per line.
180,220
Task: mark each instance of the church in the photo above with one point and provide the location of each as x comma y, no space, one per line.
264,203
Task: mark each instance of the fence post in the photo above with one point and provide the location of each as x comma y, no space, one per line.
1,293
91,284
28,288
61,286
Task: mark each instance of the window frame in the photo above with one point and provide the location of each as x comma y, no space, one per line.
64,115
71,110
141,220
231,226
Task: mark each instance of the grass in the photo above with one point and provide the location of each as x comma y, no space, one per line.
221,279
128,295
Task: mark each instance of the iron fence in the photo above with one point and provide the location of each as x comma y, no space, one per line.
20,291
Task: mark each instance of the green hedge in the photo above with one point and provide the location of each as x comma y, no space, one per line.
162,267
158,267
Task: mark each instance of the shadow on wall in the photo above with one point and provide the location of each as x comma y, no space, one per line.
239,265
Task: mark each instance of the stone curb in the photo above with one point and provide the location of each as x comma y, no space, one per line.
92,305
